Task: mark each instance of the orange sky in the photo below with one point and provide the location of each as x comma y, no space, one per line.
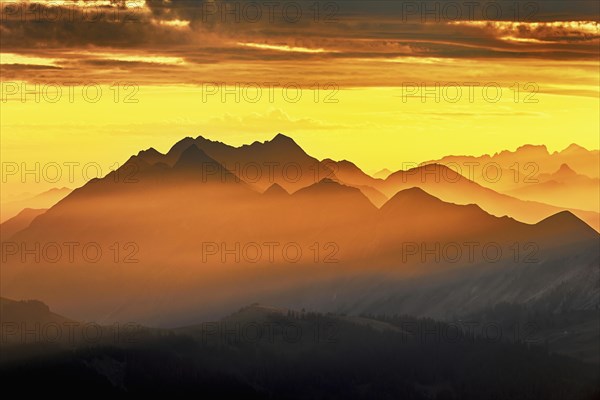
376,83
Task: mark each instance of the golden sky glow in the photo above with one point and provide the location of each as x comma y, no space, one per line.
363,85
283,48
12,58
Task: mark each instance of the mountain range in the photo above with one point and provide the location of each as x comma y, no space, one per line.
566,178
44,200
168,238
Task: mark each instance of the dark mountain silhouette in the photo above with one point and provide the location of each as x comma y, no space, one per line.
329,187
193,163
194,159
448,185
275,190
177,149
196,244
349,174
29,312
259,164
29,321
412,199
565,226
299,354
149,156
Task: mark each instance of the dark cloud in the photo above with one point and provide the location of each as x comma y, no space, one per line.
206,34
8,68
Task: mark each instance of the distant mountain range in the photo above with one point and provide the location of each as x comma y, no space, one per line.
567,178
42,200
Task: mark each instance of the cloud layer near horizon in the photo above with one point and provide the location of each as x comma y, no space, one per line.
185,42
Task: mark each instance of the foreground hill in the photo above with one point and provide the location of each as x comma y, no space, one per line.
264,352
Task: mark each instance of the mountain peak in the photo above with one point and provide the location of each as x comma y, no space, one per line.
201,140
568,224
280,137
193,157
565,170
345,164
149,152
382,174
327,186
150,156
177,149
280,140
326,181
280,147
183,143
411,198
284,142
414,193
573,148
275,190
328,194
195,161
541,148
